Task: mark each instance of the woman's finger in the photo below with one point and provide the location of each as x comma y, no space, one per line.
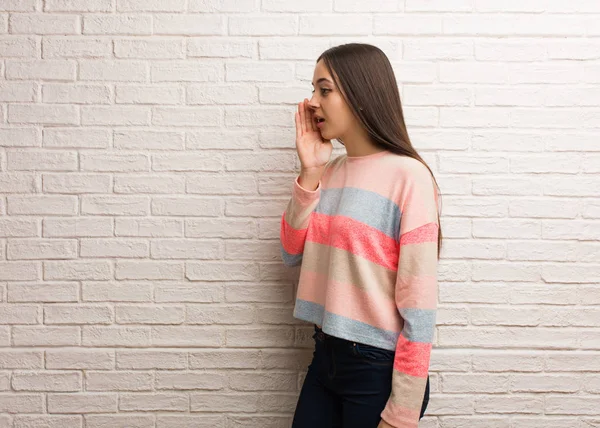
302,118
297,119
311,118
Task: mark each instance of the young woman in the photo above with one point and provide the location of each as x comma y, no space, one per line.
365,229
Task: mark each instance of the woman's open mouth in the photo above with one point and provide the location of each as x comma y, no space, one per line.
320,123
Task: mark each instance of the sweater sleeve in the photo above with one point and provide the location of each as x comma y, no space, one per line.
294,222
416,300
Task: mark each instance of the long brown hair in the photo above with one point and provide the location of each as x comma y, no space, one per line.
365,76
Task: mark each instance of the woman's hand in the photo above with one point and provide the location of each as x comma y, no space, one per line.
314,151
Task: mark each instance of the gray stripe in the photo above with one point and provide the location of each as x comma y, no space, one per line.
419,324
308,311
363,206
290,259
345,328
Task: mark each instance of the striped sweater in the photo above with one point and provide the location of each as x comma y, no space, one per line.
366,240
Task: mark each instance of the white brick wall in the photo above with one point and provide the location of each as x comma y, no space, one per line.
147,152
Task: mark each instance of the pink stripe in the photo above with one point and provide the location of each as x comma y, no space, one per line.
350,301
412,358
419,292
425,233
356,238
292,239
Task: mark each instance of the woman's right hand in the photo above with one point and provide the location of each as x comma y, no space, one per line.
314,151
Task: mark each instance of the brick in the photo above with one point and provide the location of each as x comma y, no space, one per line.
220,94
46,114
151,359
186,249
258,72
210,314
76,183
251,338
41,160
118,381
235,6
163,314
199,140
18,228
18,5
185,116
151,6
186,380
20,314
115,115
77,227
44,24
21,403
164,401
21,359
151,94
220,47
148,140
77,138
79,314
80,359
187,71
214,184
149,270
18,46
46,292
77,270
224,359
115,336
76,94
15,182
113,70
82,403
263,382
20,137
119,421
123,291
42,205
149,227
156,48
117,24
32,249
47,421
109,248
219,271
272,25
220,402
170,336
187,162
46,336
50,69
108,162
221,228
115,205
18,92
79,5
47,381
189,25
186,292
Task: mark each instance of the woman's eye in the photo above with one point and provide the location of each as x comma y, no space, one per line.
323,91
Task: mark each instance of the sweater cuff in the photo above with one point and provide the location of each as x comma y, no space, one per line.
305,196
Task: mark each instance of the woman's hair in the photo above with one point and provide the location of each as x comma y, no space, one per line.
368,84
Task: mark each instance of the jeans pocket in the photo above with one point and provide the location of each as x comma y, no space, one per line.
374,354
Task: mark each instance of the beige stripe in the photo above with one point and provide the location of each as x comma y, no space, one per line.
418,259
347,268
403,390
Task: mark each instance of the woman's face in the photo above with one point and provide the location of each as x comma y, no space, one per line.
328,103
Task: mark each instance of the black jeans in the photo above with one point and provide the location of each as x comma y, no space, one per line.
347,385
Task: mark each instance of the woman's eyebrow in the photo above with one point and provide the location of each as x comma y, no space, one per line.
321,79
